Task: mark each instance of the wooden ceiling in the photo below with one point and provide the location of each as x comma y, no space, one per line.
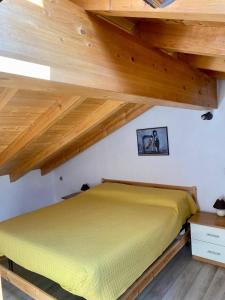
193,31
69,78
43,130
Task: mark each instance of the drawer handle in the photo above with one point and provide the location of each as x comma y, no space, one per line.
214,252
213,235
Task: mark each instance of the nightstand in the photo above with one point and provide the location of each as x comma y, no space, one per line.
208,238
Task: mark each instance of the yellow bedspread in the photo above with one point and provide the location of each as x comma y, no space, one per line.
98,243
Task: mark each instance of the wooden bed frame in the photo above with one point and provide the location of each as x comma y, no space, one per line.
140,284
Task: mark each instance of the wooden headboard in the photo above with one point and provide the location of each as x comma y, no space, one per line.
190,189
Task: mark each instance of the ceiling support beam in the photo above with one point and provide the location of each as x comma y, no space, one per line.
67,46
204,62
215,74
196,38
6,95
103,5
201,10
111,126
39,127
94,119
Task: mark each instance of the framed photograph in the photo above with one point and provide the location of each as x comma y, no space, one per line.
153,141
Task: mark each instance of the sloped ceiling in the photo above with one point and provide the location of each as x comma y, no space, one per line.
44,123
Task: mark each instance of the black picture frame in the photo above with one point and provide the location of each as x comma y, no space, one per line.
153,141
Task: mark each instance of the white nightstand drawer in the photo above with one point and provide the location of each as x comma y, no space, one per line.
208,251
208,234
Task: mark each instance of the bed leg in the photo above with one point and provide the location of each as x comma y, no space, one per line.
10,263
1,291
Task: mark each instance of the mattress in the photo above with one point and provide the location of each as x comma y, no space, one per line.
97,244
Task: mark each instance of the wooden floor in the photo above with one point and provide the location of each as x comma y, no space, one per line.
182,279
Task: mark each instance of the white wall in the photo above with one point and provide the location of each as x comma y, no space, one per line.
197,154
29,193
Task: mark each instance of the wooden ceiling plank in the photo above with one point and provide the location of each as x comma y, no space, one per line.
94,119
6,95
201,10
71,151
195,38
40,126
81,53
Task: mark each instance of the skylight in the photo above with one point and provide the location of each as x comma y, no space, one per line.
24,68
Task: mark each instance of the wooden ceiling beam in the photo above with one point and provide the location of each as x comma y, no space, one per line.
6,95
117,122
94,119
187,37
33,84
201,10
74,48
103,5
216,74
13,81
39,127
204,62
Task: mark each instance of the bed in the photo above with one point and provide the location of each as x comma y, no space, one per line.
99,243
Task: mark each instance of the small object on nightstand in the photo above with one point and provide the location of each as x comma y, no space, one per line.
85,187
208,238
219,205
